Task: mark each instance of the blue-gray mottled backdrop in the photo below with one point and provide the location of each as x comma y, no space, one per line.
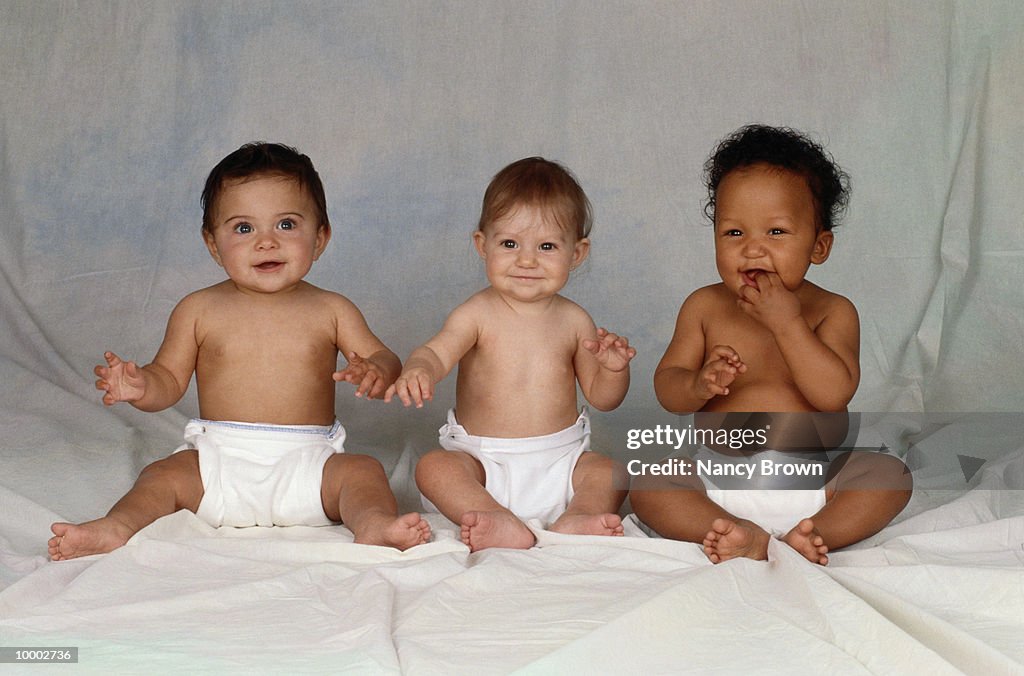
112,113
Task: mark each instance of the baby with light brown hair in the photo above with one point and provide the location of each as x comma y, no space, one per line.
517,446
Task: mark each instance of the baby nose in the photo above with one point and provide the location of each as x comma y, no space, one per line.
753,248
266,240
526,257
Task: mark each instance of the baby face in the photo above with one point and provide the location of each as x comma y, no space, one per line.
527,255
266,234
765,223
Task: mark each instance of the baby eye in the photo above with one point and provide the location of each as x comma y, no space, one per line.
548,246
733,232
776,231
286,224
508,244
243,228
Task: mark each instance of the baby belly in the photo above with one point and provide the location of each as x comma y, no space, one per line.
760,396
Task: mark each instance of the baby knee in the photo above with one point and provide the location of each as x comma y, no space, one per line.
180,463
180,474
430,464
361,464
443,464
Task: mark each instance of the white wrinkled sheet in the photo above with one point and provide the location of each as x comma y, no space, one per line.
940,591
111,115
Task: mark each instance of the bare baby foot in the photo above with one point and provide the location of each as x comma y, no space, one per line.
808,542
588,524
100,536
400,532
731,539
481,530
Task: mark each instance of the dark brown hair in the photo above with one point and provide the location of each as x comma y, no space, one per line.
264,159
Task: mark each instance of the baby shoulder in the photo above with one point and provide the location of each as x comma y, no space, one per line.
705,302
195,304
471,313
187,323
571,315
836,306
331,302
570,309
710,294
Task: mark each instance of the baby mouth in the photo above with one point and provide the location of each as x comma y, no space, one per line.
269,265
750,276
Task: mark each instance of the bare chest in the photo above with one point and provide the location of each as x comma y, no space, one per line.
518,383
526,354
266,344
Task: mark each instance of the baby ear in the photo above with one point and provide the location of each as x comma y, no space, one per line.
211,246
580,252
822,247
323,236
478,241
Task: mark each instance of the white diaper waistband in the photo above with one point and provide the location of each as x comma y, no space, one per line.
241,431
568,437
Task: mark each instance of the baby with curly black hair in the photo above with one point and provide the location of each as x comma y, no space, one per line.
766,340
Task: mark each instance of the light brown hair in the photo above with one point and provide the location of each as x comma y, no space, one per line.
537,182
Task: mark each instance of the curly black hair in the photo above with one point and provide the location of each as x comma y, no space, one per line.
786,149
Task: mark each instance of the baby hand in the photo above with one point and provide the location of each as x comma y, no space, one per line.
364,374
413,386
770,302
720,369
121,380
613,352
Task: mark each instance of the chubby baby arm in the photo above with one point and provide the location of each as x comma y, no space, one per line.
416,383
148,388
605,382
684,390
372,375
687,378
431,362
161,383
824,360
371,367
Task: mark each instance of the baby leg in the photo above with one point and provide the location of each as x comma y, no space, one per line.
355,491
679,508
599,489
162,488
454,482
864,495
